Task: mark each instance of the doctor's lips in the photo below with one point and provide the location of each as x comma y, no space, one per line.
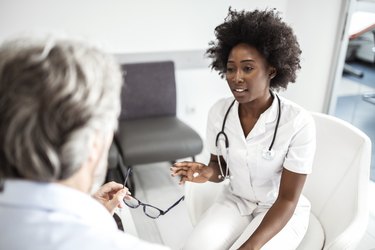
239,90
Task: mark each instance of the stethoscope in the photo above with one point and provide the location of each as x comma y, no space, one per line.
268,153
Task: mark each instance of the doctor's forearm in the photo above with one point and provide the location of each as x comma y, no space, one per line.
275,219
291,185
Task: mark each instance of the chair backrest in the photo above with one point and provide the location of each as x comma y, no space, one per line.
150,90
338,185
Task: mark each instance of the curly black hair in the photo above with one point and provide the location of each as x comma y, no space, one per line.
265,31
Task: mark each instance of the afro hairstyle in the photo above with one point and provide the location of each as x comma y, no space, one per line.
264,30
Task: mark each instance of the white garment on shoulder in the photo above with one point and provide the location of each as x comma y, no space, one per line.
51,216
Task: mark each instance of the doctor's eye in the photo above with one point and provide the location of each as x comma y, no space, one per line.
229,70
247,69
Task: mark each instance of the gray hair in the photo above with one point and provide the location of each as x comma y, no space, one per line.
55,95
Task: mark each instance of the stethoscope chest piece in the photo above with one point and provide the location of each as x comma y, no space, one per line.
268,154
225,177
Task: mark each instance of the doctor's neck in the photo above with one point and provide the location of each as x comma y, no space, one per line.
255,107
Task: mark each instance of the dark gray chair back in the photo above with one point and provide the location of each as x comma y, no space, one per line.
149,130
150,90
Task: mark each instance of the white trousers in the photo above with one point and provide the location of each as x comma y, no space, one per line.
222,227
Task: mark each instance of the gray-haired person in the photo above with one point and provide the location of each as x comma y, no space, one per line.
59,103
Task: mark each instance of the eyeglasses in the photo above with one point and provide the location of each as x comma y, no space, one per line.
149,210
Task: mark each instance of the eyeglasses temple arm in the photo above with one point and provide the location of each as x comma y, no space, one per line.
127,176
175,204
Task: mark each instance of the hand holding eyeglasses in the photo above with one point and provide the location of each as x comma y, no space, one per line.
149,210
111,195
191,171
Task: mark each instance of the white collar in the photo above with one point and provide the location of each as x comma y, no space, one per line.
267,117
271,113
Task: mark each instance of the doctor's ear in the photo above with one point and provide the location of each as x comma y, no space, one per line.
272,73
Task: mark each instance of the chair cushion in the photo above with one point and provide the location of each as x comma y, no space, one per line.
314,238
157,139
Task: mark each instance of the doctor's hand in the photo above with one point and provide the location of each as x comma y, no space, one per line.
191,171
111,195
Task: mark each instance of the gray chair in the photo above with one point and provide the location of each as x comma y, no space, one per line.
149,130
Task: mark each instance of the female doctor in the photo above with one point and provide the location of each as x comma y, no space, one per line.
261,143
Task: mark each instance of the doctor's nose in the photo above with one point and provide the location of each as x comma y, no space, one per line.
238,77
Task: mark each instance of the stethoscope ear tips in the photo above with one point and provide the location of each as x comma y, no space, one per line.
268,154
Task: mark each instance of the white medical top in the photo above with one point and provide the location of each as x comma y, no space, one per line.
51,216
255,180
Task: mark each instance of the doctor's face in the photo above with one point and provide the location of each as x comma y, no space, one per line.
248,73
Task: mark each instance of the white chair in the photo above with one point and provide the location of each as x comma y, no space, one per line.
337,188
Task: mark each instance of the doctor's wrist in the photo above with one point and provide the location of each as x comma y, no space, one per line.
213,172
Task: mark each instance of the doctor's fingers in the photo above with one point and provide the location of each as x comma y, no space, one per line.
190,172
195,178
182,172
179,169
188,165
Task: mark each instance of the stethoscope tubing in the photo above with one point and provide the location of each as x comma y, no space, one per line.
226,140
223,127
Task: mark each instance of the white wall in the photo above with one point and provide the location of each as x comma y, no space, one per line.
125,25
146,26
317,26
131,27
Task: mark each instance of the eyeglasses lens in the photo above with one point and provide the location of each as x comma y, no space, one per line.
131,202
151,212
